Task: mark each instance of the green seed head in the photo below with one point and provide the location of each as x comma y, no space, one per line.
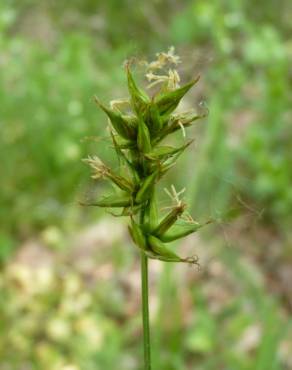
138,125
169,219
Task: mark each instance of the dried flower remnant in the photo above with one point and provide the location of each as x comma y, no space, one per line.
170,79
119,104
164,59
96,164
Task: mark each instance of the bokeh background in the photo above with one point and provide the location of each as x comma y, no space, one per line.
69,279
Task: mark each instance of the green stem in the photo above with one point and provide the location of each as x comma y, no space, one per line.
145,307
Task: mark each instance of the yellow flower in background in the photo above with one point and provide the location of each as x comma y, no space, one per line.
30,280
91,330
59,329
70,367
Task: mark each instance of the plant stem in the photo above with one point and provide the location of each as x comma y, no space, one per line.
145,306
145,312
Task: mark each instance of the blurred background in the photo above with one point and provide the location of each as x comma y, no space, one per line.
69,278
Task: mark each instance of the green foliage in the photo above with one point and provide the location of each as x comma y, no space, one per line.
248,136
46,114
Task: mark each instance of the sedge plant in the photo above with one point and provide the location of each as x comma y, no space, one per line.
138,127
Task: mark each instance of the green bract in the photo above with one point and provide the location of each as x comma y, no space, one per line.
136,138
168,101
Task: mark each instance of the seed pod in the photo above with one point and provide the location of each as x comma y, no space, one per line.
111,201
164,152
184,121
169,219
178,231
169,164
139,98
146,188
193,260
120,124
137,235
160,152
153,211
168,101
166,166
121,182
143,140
177,124
155,256
122,155
151,214
161,251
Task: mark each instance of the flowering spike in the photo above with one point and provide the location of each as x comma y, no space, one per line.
139,124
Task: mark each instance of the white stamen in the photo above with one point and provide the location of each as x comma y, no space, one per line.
119,103
174,195
182,129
